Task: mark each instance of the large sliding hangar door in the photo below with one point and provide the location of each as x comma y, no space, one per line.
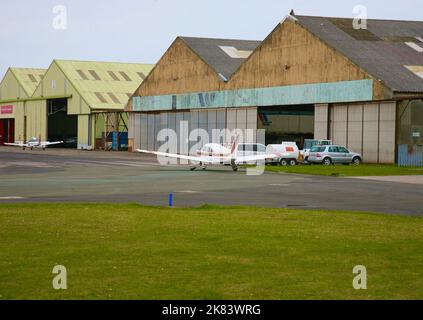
287,123
146,126
366,128
60,125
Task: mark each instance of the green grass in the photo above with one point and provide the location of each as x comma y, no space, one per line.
351,170
134,252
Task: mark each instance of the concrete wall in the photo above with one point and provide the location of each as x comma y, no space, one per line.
367,128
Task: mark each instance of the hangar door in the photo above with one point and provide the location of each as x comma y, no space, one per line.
144,127
60,125
7,131
287,123
368,129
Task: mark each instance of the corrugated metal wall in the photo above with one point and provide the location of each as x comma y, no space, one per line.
365,128
144,127
410,156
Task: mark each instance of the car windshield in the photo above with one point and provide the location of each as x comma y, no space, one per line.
308,144
317,149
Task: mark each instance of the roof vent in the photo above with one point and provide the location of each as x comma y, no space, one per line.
234,53
417,70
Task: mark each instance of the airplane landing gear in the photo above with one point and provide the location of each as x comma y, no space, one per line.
234,165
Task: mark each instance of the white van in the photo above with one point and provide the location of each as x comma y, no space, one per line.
250,149
289,153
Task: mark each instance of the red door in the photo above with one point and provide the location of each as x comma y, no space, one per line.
11,133
2,121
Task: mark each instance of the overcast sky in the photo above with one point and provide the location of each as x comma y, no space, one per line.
142,30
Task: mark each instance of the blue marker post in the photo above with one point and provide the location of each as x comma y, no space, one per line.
170,200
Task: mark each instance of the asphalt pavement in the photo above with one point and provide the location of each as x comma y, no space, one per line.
59,175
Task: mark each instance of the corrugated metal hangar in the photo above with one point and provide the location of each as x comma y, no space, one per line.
311,77
80,102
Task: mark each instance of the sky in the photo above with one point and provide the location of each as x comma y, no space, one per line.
32,34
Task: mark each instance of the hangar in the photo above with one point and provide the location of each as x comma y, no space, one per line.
311,77
79,102
17,85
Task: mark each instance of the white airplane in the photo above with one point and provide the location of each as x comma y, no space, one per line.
216,154
34,143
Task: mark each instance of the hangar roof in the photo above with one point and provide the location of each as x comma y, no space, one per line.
223,55
28,78
104,85
389,50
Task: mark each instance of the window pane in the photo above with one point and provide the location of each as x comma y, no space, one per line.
113,97
125,76
100,97
82,74
113,75
32,78
94,74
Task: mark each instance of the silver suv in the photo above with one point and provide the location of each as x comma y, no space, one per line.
333,154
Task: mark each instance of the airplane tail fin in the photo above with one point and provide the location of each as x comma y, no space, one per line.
234,147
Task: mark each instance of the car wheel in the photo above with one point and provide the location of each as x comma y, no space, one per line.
356,161
283,162
327,161
292,162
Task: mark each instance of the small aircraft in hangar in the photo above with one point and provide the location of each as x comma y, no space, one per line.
216,154
34,143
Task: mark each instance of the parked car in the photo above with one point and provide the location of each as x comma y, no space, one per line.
310,143
332,154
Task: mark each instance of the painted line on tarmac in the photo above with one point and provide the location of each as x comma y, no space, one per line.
12,198
120,164
187,191
114,163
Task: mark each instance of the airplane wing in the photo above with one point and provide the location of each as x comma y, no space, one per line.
206,160
47,143
16,144
257,157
